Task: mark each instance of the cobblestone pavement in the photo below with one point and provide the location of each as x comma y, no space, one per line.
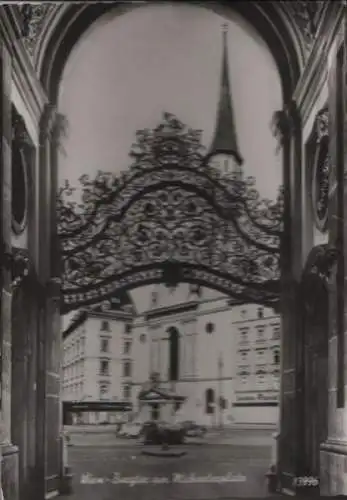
208,472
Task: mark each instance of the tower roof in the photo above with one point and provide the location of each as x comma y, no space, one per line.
225,141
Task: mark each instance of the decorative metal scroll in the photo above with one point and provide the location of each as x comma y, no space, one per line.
321,171
169,218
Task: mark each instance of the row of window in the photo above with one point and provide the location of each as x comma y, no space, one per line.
261,379
273,355
261,333
76,369
105,344
104,368
260,313
105,327
74,349
73,390
104,391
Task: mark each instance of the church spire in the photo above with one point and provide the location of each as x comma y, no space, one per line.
225,141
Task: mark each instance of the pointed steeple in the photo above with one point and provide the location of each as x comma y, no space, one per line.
225,141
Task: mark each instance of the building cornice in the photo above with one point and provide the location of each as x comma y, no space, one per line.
259,320
169,310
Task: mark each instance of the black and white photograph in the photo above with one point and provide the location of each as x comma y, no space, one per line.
173,250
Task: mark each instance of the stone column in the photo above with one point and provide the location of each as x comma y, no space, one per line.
288,132
9,472
333,457
48,449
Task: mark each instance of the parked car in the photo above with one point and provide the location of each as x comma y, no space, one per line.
163,433
130,429
192,429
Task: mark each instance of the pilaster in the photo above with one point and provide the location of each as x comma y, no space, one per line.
288,131
9,472
334,450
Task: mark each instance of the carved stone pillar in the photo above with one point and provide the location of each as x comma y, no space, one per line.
287,129
49,343
9,466
334,450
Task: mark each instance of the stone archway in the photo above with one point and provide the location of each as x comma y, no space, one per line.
59,32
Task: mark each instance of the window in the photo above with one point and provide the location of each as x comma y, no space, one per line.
103,390
260,332
105,326
154,298
177,405
104,367
155,411
104,345
276,333
244,335
209,327
127,369
244,356
143,338
127,328
260,313
209,401
260,356
243,313
276,357
260,378
127,392
243,379
127,347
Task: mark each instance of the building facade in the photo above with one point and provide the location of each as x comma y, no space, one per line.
257,331
97,360
195,346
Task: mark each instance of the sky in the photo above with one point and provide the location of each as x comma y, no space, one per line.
128,69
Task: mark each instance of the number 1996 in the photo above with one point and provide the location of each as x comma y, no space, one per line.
305,481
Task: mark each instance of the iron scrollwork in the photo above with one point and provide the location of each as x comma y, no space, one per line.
168,218
321,171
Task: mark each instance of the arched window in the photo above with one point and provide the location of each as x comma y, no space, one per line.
209,401
173,353
260,313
